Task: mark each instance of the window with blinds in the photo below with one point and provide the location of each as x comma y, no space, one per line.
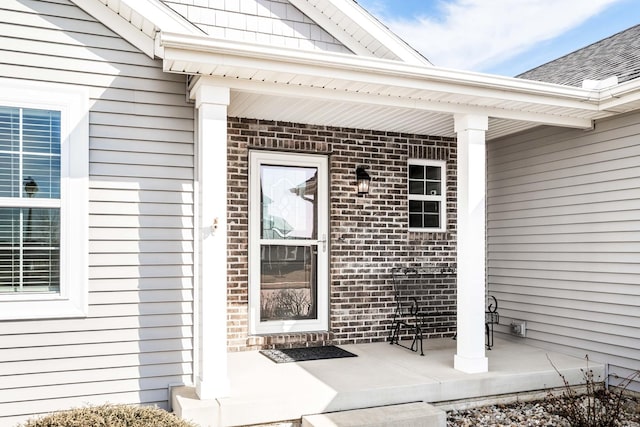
30,158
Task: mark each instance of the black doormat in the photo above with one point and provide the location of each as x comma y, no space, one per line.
285,355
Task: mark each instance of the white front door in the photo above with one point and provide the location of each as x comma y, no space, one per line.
288,242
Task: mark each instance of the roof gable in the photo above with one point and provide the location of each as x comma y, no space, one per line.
359,30
617,55
272,22
339,26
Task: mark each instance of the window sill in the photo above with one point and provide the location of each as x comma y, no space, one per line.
427,230
42,309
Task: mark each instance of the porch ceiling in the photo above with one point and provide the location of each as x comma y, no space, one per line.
356,115
349,91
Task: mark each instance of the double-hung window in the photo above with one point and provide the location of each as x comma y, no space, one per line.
427,195
30,194
43,200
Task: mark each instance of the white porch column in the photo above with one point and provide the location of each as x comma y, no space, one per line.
211,102
471,243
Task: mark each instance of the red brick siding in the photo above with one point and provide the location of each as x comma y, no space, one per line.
369,234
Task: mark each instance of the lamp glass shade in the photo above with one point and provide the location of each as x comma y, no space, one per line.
362,181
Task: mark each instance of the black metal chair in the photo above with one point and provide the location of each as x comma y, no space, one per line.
491,317
407,315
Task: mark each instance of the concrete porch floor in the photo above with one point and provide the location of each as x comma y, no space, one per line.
263,391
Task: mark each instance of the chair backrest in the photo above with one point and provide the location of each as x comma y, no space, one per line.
405,304
396,272
491,314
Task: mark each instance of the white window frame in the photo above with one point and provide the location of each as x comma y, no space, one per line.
72,102
442,198
321,323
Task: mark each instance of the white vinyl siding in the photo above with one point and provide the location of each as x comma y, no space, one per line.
137,338
563,213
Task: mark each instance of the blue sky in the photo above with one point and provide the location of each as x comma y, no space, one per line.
503,37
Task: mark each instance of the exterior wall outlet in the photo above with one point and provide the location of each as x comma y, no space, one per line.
519,328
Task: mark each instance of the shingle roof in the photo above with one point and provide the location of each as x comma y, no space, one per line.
617,55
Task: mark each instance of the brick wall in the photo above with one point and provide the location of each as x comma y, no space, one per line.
369,234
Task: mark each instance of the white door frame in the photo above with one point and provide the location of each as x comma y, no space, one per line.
321,323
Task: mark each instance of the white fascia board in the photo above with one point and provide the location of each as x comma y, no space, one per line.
330,27
352,12
619,98
384,35
163,17
153,11
118,25
373,70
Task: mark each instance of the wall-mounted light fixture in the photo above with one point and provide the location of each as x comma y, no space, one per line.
362,180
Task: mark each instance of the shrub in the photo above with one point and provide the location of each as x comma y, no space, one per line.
110,416
599,406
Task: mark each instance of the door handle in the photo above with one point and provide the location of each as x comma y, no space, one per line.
324,242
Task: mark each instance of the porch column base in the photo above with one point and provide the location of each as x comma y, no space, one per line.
212,389
187,406
471,365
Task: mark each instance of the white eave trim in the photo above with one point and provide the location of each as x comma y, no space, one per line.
374,66
150,17
352,12
162,16
378,30
248,56
621,98
118,25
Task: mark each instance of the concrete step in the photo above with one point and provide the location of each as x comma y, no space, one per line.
187,405
417,414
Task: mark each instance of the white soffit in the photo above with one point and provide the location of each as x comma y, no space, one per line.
357,116
339,114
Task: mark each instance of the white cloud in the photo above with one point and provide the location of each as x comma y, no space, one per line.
475,34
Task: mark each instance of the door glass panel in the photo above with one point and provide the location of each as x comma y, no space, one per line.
288,282
288,197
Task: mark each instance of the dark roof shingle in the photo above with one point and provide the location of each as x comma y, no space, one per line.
617,55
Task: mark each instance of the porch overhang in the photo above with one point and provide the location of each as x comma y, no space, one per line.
362,92
386,85
341,90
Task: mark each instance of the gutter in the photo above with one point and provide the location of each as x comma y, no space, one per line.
355,68
621,98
